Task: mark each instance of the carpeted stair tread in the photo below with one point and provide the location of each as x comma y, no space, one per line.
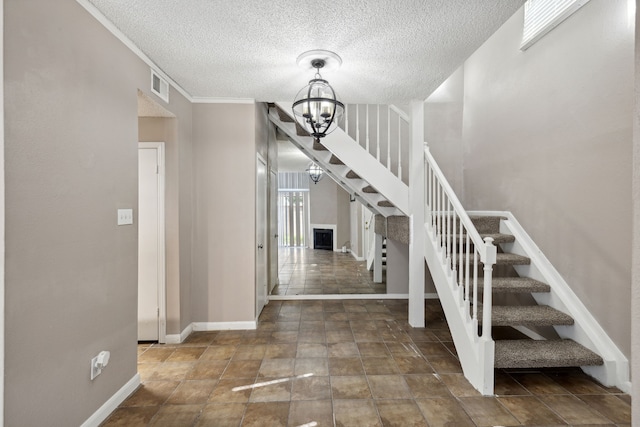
516,285
335,161
284,117
369,189
497,237
512,259
503,259
543,354
486,224
385,204
529,315
352,175
319,147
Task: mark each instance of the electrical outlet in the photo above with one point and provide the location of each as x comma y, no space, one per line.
95,370
125,216
99,362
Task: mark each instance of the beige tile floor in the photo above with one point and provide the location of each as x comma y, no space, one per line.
304,271
348,363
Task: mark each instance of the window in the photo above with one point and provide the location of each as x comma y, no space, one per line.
542,16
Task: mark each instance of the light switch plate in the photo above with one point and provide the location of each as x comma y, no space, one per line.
125,216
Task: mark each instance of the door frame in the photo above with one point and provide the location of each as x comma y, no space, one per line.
162,254
260,159
272,207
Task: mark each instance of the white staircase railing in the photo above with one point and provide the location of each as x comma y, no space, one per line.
453,250
383,131
371,171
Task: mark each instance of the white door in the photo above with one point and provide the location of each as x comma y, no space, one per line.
262,241
273,230
150,242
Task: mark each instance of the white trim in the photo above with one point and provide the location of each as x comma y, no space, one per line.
542,16
586,330
110,405
353,254
93,11
528,332
2,216
162,250
334,229
224,326
212,100
178,338
337,297
345,296
267,231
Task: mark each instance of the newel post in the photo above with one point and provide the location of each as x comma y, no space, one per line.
416,215
487,301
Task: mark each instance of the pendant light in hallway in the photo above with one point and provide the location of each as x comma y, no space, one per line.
316,107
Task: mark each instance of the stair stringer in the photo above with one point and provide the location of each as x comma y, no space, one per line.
476,354
586,329
360,161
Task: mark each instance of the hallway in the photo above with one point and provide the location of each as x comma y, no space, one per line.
304,271
348,363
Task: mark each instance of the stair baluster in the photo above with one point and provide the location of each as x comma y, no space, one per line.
448,226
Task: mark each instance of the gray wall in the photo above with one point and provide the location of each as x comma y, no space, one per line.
546,134
443,128
225,187
635,283
397,267
329,204
71,162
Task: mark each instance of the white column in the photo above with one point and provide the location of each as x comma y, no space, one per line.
416,208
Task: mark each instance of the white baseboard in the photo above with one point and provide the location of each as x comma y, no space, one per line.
345,296
110,405
336,297
178,338
224,326
355,255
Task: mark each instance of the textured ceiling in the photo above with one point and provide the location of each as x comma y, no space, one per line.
392,50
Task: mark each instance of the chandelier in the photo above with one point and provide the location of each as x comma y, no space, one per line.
316,107
315,173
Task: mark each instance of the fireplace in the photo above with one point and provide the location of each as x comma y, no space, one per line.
323,238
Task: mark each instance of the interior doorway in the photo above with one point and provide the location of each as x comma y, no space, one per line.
151,243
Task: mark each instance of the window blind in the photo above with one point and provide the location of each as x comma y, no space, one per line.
293,181
542,16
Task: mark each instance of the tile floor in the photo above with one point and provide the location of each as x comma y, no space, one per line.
348,363
304,271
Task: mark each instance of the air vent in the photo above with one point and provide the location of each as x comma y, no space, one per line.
159,86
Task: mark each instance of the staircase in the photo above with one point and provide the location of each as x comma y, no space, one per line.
488,271
474,258
365,177
525,353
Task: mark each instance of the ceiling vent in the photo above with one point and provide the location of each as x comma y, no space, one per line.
159,86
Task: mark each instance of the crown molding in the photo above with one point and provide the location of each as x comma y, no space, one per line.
99,16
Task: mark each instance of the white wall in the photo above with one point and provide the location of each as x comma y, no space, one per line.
546,134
